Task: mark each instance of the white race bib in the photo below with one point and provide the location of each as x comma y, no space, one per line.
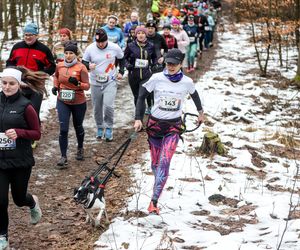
141,63
101,78
192,39
6,143
169,103
207,28
113,39
67,94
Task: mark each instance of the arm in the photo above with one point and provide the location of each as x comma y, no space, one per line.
50,63
176,44
33,132
197,101
11,61
84,79
186,41
140,104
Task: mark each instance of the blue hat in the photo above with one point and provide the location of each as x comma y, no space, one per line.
31,28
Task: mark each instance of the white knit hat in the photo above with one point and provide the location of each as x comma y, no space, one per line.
17,74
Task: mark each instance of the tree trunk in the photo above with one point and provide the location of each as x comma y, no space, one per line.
1,17
212,144
13,19
69,15
298,64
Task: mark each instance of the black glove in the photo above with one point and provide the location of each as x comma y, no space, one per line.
54,90
73,80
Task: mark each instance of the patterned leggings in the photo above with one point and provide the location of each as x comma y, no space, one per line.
162,149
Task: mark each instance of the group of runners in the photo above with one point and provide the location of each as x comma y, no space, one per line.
156,53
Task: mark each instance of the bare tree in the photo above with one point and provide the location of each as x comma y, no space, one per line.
69,15
13,19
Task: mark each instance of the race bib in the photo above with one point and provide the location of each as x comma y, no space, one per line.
169,103
67,94
207,28
102,78
192,39
6,143
141,63
113,39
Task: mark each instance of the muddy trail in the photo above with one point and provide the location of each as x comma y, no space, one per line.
63,223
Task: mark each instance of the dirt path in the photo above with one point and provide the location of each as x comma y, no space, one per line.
63,223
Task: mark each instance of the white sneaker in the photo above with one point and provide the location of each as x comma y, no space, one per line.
3,243
36,212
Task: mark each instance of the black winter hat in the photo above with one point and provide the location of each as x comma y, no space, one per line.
174,56
101,35
71,46
151,23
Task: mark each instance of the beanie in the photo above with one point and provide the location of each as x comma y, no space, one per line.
65,31
101,35
71,46
151,23
140,28
31,28
175,21
167,26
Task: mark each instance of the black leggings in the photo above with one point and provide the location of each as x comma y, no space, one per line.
35,98
135,83
18,179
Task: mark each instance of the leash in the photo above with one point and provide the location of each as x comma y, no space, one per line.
179,128
93,184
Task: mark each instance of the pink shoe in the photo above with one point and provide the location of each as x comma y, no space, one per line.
152,209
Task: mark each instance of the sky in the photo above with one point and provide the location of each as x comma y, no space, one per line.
254,213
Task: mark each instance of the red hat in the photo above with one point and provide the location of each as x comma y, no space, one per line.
65,31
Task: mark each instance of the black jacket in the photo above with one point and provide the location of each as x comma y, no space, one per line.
12,111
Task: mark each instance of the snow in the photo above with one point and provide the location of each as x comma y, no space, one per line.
187,218
178,226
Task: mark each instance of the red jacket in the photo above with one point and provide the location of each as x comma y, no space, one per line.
37,57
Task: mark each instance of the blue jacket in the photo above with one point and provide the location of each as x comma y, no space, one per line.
128,26
115,35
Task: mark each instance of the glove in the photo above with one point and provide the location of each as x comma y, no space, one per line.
54,90
73,80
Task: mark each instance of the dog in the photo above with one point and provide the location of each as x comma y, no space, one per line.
92,197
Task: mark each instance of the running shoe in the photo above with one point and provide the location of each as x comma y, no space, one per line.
36,212
153,209
62,163
148,111
80,156
4,242
99,133
108,134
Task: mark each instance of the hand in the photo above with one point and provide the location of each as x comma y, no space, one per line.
201,118
138,125
11,134
160,60
119,76
73,80
54,90
92,66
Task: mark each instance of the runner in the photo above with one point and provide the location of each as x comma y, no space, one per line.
70,80
35,56
140,58
163,127
182,39
193,32
65,35
100,58
19,125
134,20
114,34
